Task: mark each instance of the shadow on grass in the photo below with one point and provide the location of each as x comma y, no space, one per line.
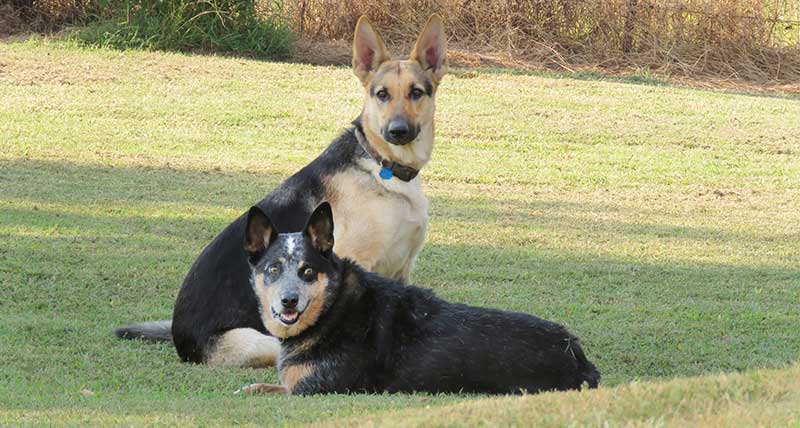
57,181
561,215
638,318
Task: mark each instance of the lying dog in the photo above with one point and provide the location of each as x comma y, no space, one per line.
369,175
345,330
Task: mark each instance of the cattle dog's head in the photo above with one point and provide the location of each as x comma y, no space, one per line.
292,273
399,101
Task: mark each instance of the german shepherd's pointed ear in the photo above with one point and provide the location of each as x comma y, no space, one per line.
259,233
430,51
369,52
320,228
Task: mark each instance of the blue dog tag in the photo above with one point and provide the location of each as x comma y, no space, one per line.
386,173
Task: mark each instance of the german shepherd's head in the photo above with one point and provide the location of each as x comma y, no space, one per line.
399,102
292,274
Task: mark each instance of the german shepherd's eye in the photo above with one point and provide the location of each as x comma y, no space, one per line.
274,269
382,95
308,274
416,93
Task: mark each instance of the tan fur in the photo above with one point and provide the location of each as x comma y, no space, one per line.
397,77
317,239
256,241
314,309
369,51
389,242
415,155
300,348
309,317
432,40
244,347
381,224
293,374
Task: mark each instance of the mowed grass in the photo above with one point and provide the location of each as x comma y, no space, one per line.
660,224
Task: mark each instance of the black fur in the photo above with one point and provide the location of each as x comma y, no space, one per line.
378,335
154,331
216,295
373,334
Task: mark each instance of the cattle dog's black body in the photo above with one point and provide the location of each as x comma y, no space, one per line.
382,336
370,177
346,330
216,295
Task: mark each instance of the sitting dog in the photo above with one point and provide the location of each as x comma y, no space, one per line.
370,176
345,330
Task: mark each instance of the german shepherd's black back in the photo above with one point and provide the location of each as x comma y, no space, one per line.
370,177
216,295
347,330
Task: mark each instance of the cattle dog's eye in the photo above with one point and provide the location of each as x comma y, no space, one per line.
382,95
416,93
308,274
274,269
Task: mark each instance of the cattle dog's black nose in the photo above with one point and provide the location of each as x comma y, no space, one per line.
289,301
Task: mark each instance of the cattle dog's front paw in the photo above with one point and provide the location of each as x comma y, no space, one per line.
261,389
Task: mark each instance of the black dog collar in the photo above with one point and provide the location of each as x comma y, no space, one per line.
389,168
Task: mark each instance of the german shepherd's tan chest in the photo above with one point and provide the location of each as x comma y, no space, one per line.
380,224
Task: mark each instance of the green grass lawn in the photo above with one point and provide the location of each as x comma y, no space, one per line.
660,224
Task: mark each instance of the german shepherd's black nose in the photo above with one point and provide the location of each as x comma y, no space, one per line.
399,132
289,301
398,129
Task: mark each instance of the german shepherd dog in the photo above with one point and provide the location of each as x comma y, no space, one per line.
345,330
369,176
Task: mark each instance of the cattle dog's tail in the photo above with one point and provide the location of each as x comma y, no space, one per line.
154,331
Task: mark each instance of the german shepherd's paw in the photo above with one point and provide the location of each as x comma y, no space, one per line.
261,389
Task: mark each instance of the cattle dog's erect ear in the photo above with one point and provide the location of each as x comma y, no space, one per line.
369,52
430,51
260,232
320,228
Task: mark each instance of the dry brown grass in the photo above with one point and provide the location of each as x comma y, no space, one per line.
11,20
736,41
735,44
18,16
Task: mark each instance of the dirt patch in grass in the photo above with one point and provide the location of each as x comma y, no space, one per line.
33,73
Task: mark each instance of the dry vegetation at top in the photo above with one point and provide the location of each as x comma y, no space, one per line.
733,41
39,15
744,44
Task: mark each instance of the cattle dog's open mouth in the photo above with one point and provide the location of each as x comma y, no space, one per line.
287,317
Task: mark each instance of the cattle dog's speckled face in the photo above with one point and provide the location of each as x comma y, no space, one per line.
399,100
290,271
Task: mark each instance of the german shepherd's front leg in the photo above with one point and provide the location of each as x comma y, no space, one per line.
244,347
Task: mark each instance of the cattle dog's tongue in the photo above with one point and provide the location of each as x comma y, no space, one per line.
289,315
